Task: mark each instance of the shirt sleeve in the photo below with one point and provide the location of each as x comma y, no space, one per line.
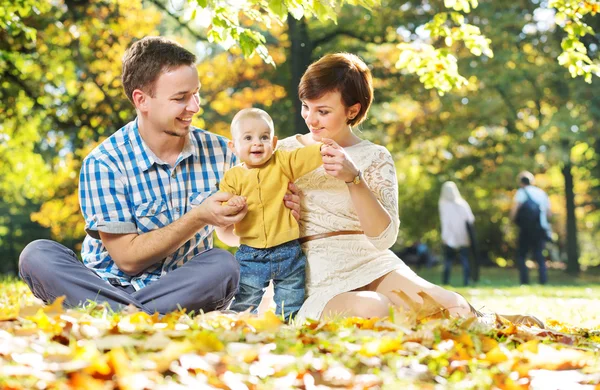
230,159
520,196
547,201
228,184
381,178
299,162
469,212
103,200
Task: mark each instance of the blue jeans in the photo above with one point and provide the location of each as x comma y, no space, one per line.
450,254
285,264
536,243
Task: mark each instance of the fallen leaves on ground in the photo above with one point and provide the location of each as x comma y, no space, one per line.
48,347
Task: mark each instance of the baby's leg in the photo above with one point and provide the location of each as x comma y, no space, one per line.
289,263
254,277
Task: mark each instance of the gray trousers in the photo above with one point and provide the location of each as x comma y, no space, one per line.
207,282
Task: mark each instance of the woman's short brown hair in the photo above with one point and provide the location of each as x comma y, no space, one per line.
147,58
340,72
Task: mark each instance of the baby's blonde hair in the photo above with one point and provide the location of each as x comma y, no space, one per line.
252,112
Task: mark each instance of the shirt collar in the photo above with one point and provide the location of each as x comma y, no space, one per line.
146,157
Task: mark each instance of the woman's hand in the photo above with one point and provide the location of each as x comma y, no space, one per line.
292,200
336,162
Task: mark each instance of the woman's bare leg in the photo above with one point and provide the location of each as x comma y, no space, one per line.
411,284
364,304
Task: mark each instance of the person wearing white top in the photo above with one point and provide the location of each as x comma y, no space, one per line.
455,213
534,240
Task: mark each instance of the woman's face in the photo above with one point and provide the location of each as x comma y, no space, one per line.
326,117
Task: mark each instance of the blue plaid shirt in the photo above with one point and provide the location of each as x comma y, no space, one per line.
125,188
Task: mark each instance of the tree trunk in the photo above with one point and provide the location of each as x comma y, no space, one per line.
300,58
572,250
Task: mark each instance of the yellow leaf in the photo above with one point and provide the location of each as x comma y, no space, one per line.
488,343
56,307
268,322
530,346
173,351
497,355
121,365
465,339
380,347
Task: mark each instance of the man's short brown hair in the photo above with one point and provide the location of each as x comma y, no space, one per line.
340,72
147,58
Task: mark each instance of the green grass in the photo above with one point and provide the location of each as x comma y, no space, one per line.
566,298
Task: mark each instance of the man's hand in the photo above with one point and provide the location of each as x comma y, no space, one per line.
217,211
292,200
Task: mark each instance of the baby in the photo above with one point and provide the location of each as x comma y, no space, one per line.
269,247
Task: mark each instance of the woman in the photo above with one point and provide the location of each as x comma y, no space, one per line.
349,216
455,214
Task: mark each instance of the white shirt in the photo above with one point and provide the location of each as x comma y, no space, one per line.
538,196
454,217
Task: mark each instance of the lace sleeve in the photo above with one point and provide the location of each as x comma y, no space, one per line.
380,175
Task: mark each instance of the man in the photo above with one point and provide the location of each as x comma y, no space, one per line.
531,210
148,197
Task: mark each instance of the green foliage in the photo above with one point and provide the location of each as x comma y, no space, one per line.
15,16
60,93
570,15
227,20
518,109
435,66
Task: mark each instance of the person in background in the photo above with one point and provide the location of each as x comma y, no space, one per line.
455,214
531,211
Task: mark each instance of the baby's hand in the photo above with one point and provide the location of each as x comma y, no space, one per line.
237,201
329,146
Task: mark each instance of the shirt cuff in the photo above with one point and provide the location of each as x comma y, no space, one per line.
111,227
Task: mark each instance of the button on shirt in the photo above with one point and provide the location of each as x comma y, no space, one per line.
125,188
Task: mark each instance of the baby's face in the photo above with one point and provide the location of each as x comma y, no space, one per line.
253,142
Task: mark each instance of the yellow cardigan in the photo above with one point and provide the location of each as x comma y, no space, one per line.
268,222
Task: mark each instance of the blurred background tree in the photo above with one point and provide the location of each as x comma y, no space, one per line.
473,95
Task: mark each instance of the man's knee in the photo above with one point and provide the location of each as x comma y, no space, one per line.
228,268
34,256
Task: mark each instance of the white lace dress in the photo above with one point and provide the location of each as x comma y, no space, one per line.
344,263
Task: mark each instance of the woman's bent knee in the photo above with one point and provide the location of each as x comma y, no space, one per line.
365,304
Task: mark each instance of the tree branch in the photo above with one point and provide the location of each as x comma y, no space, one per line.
513,111
182,23
337,33
34,97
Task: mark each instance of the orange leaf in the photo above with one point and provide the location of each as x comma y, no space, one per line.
85,382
